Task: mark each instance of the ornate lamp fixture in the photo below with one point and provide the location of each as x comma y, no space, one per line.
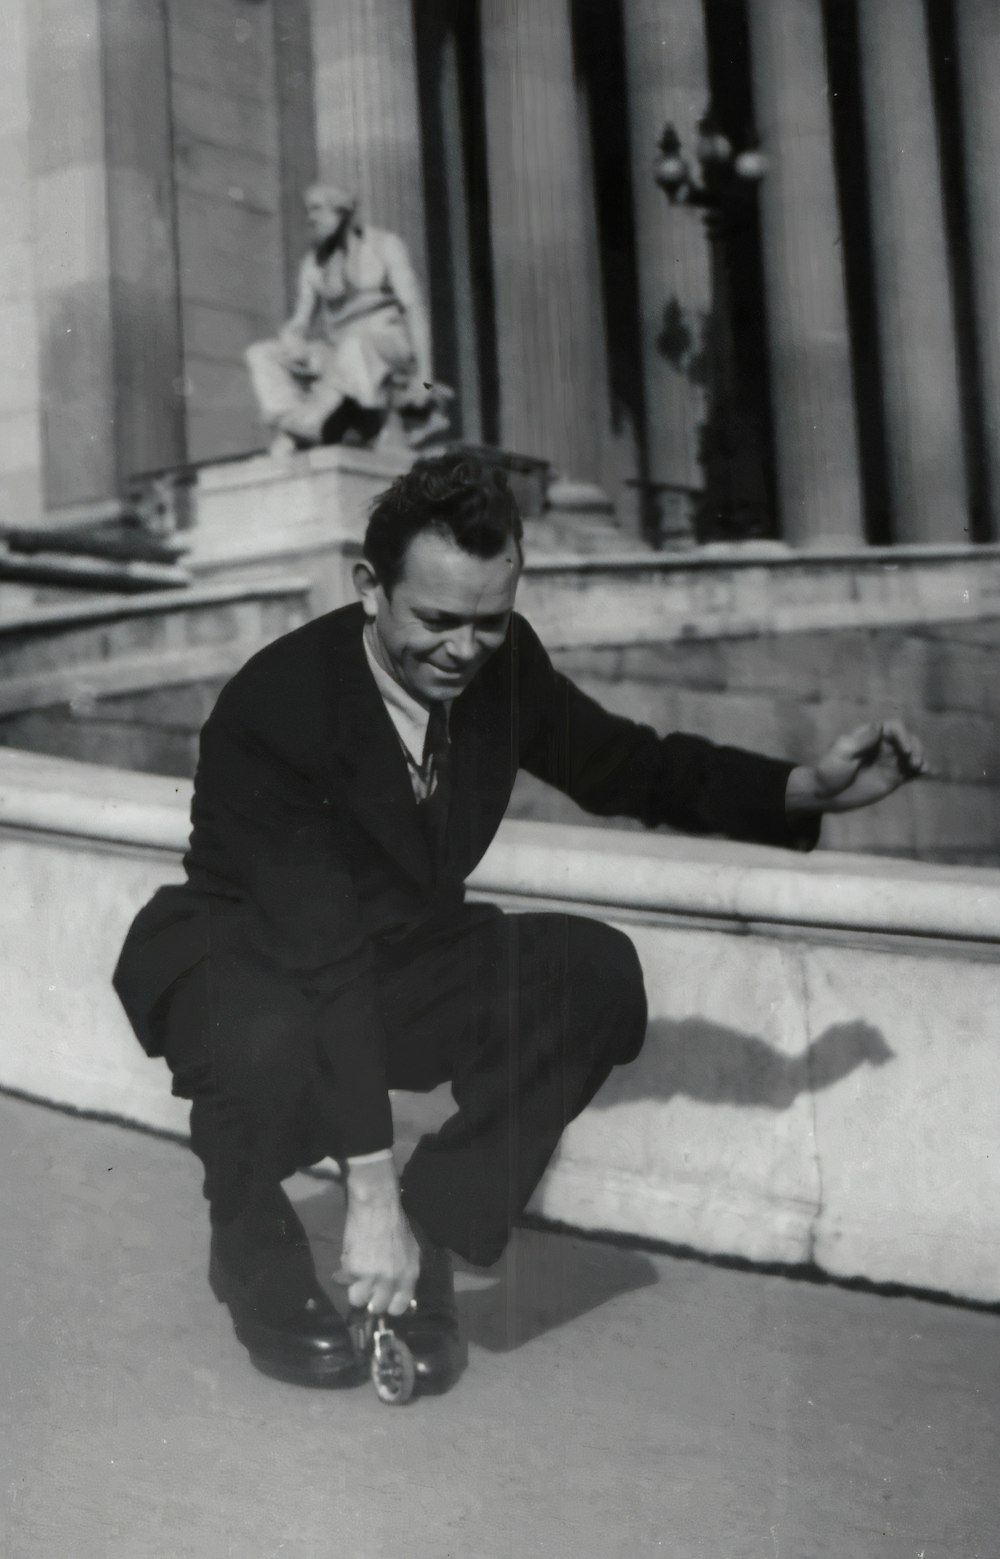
724,173
723,188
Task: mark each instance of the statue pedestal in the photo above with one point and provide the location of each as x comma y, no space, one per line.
305,513
267,507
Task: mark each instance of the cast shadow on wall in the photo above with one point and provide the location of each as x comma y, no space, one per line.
697,1059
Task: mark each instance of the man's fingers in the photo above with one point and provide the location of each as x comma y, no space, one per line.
360,1292
382,1293
863,738
909,748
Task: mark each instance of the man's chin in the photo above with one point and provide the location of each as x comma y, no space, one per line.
440,686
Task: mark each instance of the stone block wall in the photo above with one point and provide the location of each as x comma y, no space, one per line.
133,693
791,694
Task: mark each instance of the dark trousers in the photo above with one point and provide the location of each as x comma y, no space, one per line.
524,1015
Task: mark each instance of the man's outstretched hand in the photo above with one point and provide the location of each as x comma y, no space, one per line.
865,765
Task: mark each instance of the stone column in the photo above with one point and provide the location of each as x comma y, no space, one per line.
455,175
543,238
668,80
916,323
20,388
296,103
105,245
442,36
368,114
978,23
819,480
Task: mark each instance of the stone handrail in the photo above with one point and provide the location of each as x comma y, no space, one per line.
603,868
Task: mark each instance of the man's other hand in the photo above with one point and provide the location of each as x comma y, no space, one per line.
380,1254
863,766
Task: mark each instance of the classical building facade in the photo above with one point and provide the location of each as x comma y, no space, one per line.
152,154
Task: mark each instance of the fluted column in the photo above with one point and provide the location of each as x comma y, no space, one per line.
20,387
819,480
543,237
368,114
104,245
978,23
296,102
668,80
916,324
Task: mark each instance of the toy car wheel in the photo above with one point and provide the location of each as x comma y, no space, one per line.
393,1371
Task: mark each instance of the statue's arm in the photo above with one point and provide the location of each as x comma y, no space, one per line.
407,292
294,333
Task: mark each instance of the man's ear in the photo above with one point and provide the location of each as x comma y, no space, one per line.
368,588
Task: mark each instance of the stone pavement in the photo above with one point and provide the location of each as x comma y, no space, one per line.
617,1403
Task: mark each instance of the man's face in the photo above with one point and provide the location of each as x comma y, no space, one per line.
447,614
327,214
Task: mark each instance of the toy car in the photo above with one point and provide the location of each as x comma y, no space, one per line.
390,1361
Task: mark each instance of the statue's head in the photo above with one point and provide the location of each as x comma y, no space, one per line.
328,210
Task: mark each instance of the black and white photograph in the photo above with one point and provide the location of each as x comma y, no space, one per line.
500,779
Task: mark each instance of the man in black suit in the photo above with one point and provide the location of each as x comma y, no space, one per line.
321,953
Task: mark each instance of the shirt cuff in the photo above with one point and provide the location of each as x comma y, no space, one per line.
378,1157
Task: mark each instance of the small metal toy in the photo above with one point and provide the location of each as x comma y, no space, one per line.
390,1361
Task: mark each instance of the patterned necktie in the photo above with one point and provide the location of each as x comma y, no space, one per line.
437,767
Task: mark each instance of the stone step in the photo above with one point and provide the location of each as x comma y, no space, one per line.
61,637
26,578
133,689
554,535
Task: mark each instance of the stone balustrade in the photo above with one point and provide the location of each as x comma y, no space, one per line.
821,1076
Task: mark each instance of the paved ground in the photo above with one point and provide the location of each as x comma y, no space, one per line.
616,1403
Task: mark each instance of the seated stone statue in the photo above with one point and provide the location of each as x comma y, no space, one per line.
354,360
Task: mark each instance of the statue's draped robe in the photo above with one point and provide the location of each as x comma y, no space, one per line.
353,305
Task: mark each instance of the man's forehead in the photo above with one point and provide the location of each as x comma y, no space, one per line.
440,576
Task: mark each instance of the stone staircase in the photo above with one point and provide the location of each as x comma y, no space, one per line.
128,682
100,550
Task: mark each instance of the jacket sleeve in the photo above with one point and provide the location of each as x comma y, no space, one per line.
616,767
272,833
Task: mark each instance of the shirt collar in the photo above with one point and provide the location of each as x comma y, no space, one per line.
407,715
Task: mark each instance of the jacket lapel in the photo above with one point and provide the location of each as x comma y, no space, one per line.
483,768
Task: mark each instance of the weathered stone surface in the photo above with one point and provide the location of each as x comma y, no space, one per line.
603,663
885,1134
954,816
690,664
111,743
169,708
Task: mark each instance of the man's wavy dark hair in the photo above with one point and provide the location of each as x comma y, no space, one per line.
456,495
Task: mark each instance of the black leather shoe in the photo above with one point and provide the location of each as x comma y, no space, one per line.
289,1327
430,1326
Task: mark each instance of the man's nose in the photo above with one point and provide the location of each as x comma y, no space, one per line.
462,644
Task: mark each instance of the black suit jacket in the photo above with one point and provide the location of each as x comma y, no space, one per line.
307,852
